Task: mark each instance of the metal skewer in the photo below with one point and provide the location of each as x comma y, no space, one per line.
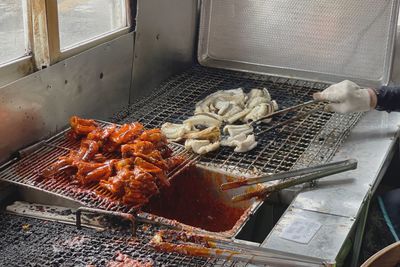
286,110
296,118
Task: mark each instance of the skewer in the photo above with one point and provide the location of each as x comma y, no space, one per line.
286,110
296,118
263,192
340,165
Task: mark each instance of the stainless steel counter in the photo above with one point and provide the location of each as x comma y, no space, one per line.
337,202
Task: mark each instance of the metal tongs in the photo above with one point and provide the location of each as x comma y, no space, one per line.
290,109
196,244
303,175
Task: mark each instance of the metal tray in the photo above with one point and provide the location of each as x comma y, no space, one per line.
320,40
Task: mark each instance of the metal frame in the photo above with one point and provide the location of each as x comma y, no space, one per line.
15,69
45,36
46,40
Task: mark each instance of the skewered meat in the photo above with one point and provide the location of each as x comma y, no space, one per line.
254,93
138,146
139,189
246,145
209,104
261,110
254,102
238,116
88,149
241,142
222,106
93,172
154,136
81,127
234,130
147,167
212,115
115,184
204,120
201,146
231,111
134,178
175,132
60,165
227,106
210,133
127,133
102,134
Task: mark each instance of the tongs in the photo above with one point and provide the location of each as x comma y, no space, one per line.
290,109
303,175
195,244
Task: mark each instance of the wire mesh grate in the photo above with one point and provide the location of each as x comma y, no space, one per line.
33,242
278,150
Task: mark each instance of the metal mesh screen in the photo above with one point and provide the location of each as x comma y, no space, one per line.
327,39
278,150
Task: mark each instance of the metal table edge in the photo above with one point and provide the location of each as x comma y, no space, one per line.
389,151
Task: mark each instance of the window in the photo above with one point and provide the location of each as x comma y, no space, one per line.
82,20
12,30
35,34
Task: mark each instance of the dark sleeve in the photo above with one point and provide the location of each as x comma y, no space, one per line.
388,98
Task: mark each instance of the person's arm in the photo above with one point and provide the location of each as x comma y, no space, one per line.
387,98
347,97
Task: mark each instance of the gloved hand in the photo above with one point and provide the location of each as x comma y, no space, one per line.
347,97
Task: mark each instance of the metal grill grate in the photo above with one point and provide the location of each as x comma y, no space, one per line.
27,170
278,150
32,242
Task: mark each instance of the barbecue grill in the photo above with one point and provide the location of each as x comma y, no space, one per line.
315,139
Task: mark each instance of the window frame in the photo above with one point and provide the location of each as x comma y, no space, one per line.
43,48
13,70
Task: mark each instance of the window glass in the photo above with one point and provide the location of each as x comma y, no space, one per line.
12,33
82,20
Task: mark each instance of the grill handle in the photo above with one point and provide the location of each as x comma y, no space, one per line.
125,216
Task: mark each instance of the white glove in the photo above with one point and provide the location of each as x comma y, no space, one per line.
346,97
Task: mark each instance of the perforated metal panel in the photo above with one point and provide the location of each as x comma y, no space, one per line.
315,39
